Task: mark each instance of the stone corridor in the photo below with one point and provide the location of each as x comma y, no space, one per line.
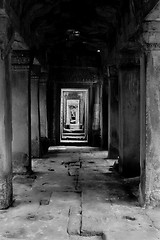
74,193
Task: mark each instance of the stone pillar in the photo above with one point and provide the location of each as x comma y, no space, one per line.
5,117
150,116
113,113
105,112
101,112
52,103
35,122
96,116
43,113
20,111
43,104
129,115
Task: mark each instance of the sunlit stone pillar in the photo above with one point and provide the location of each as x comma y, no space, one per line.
129,115
150,116
113,114
5,117
20,111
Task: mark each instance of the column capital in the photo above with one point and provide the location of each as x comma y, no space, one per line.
20,59
34,76
43,77
150,38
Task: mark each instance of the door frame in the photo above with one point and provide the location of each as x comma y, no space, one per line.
86,90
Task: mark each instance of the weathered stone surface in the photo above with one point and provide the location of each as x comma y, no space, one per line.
6,192
5,119
150,145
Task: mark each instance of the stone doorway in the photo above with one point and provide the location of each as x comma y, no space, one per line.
74,115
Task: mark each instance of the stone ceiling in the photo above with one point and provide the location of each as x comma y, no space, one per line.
47,24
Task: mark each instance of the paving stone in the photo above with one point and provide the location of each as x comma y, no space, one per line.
74,222
133,235
86,238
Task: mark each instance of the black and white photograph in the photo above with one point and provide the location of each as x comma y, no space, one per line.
79,119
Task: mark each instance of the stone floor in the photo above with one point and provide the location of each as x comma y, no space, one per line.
75,194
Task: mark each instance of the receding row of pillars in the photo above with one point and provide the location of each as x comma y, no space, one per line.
134,120
23,116
28,110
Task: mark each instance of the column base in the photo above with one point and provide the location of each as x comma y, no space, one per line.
6,196
113,153
35,148
21,163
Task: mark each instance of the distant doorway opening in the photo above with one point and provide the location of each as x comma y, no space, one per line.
74,115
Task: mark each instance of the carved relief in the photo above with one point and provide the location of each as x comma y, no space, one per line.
152,46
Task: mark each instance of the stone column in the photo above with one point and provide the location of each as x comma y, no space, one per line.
20,111
150,116
52,103
113,113
43,104
96,116
5,116
35,128
90,114
43,113
105,111
129,115
101,112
